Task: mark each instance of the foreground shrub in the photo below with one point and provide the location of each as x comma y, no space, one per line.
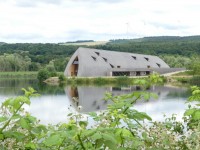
118,127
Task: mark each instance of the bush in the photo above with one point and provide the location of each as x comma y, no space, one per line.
62,78
52,73
43,74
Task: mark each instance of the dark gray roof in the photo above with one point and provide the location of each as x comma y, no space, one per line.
94,62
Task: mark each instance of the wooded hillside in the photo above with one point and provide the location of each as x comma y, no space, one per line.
167,47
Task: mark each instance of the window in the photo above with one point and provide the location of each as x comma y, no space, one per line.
133,57
148,66
147,72
111,66
158,65
138,88
118,66
94,58
147,59
75,62
121,73
105,59
138,73
97,53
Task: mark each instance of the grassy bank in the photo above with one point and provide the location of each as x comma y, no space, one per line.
195,80
18,75
100,81
185,73
186,77
188,80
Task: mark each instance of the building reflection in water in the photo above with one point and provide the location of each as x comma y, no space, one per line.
91,98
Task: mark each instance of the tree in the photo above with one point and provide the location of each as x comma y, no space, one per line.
196,68
43,74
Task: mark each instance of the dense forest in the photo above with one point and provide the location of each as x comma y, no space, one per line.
176,51
40,55
170,45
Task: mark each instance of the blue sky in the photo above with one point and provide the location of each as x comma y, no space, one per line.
52,21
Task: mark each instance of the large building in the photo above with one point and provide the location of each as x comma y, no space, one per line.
87,62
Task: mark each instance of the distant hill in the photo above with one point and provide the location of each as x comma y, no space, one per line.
170,45
2,43
81,41
159,39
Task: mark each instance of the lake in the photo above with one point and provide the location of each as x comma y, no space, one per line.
56,102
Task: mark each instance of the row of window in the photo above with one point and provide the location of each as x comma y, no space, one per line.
129,73
134,57
94,58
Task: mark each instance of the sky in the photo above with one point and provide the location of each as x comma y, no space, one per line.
53,21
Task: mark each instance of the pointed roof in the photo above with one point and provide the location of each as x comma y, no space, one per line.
95,62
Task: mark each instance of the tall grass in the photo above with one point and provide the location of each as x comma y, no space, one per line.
100,81
18,75
195,80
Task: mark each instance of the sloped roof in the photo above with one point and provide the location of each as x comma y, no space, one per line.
95,62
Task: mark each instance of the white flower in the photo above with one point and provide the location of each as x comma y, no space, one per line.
79,107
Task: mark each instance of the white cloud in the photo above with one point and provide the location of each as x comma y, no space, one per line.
60,21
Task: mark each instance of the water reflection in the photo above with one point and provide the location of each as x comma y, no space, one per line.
91,98
56,102
13,87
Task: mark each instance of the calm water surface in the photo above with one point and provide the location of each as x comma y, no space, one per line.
56,102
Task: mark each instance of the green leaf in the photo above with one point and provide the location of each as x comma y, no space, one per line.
93,114
16,116
118,105
31,118
153,95
109,137
24,123
2,119
83,124
1,136
189,112
134,114
30,146
144,135
23,99
7,102
96,136
17,135
70,114
126,132
146,96
111,145
88,132
196,115
39,129
53,140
